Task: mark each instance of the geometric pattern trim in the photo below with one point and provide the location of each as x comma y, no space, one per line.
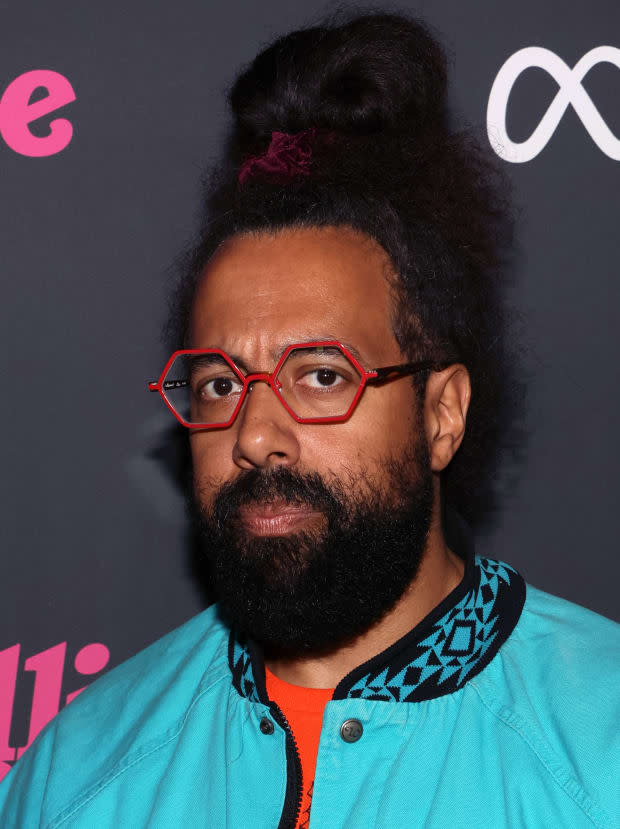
241,666
456,644
436,657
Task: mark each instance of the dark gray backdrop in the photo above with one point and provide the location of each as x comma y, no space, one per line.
94,545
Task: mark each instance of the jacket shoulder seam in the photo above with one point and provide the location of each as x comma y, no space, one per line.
560,773
127,762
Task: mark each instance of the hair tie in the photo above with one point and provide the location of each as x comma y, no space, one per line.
288,155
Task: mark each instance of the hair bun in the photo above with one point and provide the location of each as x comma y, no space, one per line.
375,73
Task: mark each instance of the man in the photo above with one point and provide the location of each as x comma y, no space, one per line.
338,328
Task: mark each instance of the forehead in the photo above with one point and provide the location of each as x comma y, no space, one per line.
260,292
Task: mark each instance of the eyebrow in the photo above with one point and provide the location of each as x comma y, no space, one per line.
277,352
201,360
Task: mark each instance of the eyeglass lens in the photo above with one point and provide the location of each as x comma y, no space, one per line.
314,382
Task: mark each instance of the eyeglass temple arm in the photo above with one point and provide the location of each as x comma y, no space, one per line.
154,385
385,372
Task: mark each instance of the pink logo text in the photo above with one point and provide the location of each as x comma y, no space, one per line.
48,668
16,113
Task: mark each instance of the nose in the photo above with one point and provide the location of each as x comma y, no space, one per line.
266,433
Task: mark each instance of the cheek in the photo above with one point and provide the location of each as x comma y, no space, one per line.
382,425
211,462
389,414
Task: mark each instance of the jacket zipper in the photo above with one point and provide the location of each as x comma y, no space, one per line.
294,791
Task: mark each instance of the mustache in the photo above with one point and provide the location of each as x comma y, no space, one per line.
277,484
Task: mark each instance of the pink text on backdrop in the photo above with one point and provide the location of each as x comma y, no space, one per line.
48,667
16,113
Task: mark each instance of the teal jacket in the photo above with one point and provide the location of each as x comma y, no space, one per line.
500,709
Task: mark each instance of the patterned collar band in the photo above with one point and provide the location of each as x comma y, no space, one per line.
448,647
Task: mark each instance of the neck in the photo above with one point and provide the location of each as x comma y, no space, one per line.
439,573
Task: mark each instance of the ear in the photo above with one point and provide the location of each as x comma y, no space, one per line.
446,401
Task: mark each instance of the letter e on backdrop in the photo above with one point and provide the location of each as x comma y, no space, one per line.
16,113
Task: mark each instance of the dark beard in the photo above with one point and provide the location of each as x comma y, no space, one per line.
314,591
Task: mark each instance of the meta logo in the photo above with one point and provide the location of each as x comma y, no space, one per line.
17,113
570,91
48,668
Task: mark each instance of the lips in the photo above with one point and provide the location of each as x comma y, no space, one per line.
276,518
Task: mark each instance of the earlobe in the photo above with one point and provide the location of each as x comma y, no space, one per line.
448,394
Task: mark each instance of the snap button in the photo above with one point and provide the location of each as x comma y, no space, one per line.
266,726
351,731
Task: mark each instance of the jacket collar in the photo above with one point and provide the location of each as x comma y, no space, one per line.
452,644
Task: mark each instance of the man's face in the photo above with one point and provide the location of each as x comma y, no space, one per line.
311,532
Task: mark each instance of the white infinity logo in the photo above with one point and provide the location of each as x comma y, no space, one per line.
570,92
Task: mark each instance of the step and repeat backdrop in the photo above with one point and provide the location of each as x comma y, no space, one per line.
109,115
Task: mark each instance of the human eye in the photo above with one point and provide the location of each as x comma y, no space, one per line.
324,377
220,387
318,374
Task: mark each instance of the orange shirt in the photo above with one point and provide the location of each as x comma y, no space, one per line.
303,708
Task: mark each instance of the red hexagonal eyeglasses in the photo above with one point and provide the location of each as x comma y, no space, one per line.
316,382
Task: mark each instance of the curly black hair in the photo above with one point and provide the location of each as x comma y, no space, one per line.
385,162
